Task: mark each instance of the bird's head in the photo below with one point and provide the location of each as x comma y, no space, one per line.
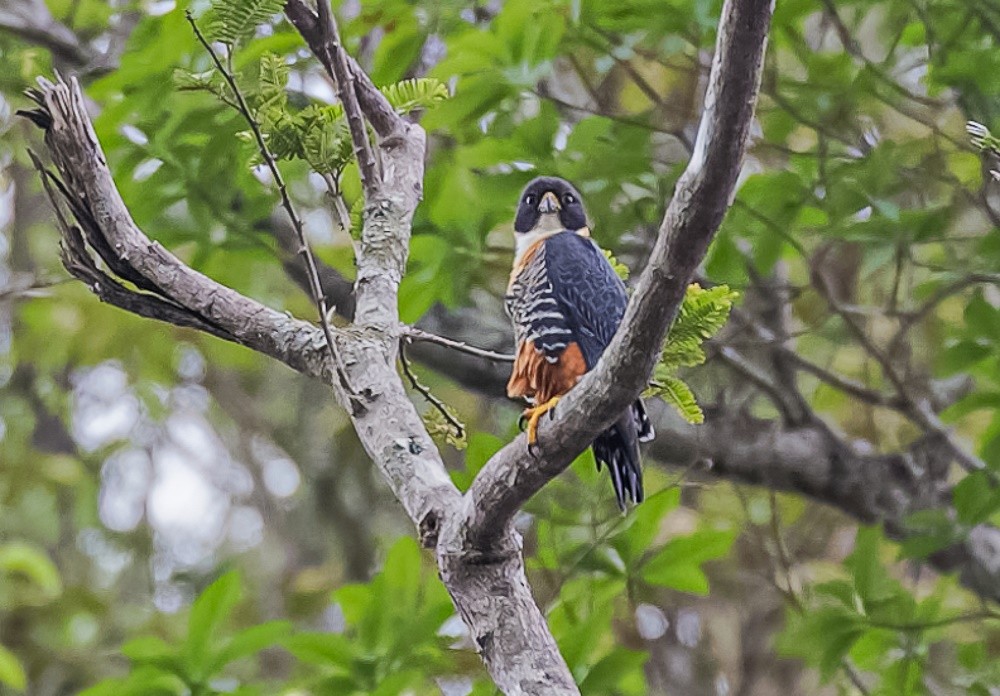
549,204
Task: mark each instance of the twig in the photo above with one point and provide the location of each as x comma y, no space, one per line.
33,288
758,378
415,334
344,84
286,202
918,410
33,22
426,392
844,384
915,626
784,563
913,318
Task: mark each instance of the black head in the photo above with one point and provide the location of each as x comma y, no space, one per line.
549,202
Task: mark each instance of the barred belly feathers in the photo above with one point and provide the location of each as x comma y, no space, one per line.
566,302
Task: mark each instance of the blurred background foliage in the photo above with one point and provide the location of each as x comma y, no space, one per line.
180,516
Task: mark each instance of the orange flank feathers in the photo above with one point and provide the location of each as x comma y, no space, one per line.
536,377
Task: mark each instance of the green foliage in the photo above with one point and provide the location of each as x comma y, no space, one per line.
702,314
161,667
871,619
317,134
620,269
27,574
11,671
443,430
234,21
391,642
416,93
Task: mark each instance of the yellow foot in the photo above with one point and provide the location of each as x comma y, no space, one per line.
533,415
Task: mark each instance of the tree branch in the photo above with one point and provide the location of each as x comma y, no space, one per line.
343,80
810,459
701,199
373,103
31,20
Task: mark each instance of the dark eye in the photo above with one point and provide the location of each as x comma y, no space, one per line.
569,199
529,199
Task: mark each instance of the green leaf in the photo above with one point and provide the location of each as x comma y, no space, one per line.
620,269
976,498
677,564
416,93
928,531
271,93
604,677
321,648
144,681
249,642
211,608
679,576
964,355
31,563
870,578
701,315
233,21
151,650
677,393
11,672
644,524
826,633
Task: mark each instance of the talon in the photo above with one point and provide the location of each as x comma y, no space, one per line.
533,415
521,422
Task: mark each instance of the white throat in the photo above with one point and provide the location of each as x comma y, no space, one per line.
548,224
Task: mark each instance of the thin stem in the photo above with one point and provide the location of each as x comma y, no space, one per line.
943,293
421,335
286,202
426,392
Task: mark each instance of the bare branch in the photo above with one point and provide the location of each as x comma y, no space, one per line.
703,194
428,394
913,318
88,189
343,80
839,382
31,20
420,335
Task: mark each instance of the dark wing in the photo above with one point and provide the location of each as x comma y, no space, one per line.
590,295
532,304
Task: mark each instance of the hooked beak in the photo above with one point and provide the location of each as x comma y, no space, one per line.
549,204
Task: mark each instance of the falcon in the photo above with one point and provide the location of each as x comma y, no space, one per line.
566,302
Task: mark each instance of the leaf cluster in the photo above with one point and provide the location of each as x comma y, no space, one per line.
318,133
190,665
390,642
702,314
234,21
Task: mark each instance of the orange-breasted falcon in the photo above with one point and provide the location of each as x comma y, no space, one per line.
566,302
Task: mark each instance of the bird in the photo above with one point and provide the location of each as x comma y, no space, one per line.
566,301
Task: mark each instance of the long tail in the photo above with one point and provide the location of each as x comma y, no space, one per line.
618,447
